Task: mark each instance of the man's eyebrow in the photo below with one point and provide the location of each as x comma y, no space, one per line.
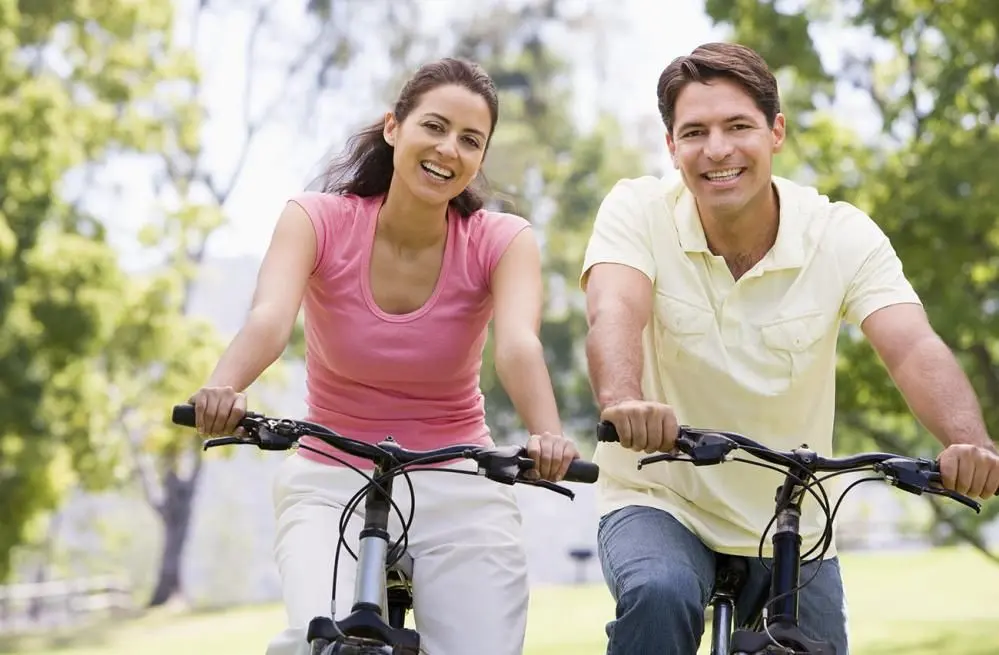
444,120
731,119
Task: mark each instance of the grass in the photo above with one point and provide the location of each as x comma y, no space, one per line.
935,602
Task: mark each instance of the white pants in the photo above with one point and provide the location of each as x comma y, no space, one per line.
470,587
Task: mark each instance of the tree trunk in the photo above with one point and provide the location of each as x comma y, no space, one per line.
175,513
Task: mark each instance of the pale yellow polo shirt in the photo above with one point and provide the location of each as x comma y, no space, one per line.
756,356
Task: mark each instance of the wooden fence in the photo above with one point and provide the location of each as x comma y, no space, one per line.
54,604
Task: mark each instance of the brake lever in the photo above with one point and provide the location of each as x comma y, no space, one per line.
663,457
504,465
704,449
953,495
227,441
550,486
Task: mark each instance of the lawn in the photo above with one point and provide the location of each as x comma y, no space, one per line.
914,603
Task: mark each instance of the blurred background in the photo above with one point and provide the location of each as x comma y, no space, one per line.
147,148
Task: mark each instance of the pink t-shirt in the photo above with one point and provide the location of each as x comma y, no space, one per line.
413,376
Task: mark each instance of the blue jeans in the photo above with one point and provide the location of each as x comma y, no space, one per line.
661,576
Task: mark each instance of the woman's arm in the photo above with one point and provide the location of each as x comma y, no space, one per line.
520,363
277,298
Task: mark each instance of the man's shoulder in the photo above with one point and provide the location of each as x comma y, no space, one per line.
646,188
825,217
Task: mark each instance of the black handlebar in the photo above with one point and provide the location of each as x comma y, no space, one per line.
505,464
708,447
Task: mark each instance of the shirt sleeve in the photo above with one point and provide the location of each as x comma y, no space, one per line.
498,231
621,233
878,280
324,210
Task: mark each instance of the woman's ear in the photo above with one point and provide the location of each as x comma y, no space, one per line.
391,129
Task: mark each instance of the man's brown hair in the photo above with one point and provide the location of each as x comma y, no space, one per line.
710,61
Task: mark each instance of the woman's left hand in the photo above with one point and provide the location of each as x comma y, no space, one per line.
552,454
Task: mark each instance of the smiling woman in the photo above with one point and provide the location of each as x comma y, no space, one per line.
400,270
458,111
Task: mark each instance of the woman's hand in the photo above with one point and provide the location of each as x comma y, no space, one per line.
218,410
552,454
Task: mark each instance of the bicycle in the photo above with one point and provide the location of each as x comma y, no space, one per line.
772,625
382,568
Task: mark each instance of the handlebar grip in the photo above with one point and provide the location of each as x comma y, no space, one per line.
607,432
183,415
582,471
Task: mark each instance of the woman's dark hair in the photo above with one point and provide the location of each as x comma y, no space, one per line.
365,168
731,61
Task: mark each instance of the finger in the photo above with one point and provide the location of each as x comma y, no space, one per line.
236,414
213,424
199,402
654,432
980,475
569,453
948,470
639,433
620,422
992,483
965,473
534,452
670,431
558,459
547,457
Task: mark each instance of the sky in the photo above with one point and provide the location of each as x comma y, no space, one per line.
283,159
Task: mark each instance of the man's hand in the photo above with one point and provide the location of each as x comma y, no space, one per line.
552,455
643,425
970,470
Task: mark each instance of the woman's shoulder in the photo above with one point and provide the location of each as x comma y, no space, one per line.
490,234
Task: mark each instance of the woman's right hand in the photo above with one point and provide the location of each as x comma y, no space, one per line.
218,410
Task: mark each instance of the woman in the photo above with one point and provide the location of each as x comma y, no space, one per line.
401,268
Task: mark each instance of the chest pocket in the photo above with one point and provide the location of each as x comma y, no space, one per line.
797,343
683,328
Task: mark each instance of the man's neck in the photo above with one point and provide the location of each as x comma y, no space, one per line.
743,238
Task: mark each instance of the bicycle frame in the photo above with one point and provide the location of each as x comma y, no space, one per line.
781,624
364,631
365,621
777,631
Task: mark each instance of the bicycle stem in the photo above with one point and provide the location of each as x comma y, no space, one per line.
369,585
787,553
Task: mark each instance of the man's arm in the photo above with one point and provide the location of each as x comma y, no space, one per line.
618,307
928,375
618,274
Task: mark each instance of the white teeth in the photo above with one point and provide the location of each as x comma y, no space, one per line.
723,175
440,172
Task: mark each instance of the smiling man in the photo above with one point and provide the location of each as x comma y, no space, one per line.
716,302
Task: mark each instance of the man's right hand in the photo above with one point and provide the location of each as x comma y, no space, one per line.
643,425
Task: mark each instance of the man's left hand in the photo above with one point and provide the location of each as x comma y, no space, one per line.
970,470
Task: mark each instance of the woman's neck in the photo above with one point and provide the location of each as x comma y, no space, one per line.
408,223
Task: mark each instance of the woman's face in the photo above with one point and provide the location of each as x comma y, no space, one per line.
439,146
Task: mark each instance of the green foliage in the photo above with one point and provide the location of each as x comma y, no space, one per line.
929,76
76,81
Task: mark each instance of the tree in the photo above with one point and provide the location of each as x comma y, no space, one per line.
82,75
927,74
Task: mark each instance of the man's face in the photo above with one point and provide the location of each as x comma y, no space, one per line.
722,145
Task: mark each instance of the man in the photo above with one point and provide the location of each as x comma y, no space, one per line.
717,303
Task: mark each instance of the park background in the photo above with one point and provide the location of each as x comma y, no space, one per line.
147,147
